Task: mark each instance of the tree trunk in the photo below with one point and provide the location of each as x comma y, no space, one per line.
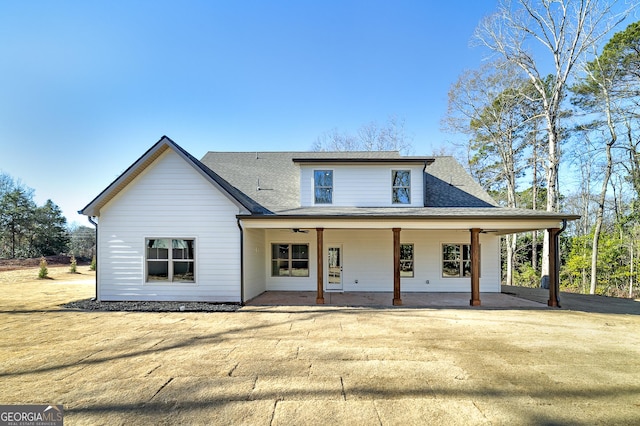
552,189
510,243
534,199
631,269
603,195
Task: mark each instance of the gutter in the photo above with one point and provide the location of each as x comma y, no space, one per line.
94,223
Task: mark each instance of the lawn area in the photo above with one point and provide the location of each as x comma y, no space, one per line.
321,365
55,273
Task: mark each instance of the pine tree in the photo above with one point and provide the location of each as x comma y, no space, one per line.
44,271
74,265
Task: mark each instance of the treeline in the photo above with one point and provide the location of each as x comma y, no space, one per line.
28,230
557,128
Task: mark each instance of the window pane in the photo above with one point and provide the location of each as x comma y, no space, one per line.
157,271
323,177
466,268
280,268
323,196
182,249
158,249
450,252
401,196
450,269
183,271
406,268
300,251
466,252
300,268
401,178
280,251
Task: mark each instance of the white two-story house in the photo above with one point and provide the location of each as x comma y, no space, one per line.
236,224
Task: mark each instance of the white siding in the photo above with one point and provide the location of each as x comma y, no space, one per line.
428,262
286,236
361,185
170,199
254,263
368,258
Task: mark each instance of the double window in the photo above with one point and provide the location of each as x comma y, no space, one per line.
456,260
323,186
401,186
406,260
289,260
170,260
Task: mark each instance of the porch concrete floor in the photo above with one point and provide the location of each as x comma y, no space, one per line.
385,299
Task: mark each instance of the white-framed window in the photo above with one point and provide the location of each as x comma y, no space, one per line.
406,260
456,260
170,260
323,186
289,260
401,186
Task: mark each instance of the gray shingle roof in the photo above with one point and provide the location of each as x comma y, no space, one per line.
449,185
272,179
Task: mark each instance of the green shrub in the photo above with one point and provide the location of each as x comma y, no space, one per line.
93,263
74,265
526,276
44,271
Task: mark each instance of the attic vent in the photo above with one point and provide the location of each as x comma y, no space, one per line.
454,184
259,188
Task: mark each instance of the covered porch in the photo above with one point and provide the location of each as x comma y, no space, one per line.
374,271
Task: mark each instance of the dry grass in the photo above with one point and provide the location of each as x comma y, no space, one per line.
21,276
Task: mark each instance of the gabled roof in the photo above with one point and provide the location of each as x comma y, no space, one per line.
266,185
165,143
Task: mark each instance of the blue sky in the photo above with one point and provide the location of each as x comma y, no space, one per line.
86,87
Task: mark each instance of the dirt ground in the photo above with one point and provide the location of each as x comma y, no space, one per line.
316,365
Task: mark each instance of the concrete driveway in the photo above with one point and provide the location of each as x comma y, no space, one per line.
297,365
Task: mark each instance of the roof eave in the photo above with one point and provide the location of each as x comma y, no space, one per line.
401,160
404,217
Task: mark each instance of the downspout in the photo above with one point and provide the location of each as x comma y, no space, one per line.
94,223
241,263
557,271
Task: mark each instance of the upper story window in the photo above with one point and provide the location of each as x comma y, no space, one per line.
401,186
323,186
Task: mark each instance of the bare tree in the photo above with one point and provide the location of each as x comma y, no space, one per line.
392,136
494,108
565,30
